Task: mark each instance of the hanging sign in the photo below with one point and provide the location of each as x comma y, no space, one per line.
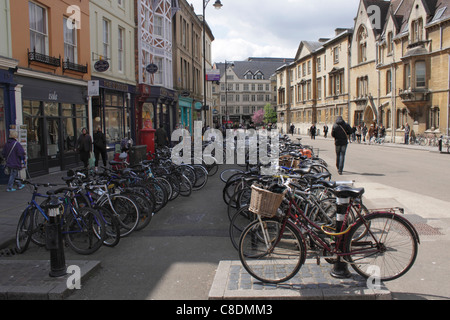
101,66
152,68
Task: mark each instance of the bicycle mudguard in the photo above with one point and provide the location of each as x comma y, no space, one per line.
401,210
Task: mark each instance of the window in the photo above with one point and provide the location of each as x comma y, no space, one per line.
159,29
309,67
120,56
159,74
106,38
70,43
336,55
420,74
319,65
407,76
433,118
390,43
319,88
417,30
362,44
304,68
38,28
388,81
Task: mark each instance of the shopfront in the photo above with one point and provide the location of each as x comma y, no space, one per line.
7,110
185,113
111,111
155,106
54,114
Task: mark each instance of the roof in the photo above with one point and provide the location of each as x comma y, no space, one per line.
267,66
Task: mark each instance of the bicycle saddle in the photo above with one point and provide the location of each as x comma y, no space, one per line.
317,176
304,170
348,192
61,190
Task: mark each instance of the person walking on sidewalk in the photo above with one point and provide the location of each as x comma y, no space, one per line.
312,131
100,147
84,147
14,155
340,133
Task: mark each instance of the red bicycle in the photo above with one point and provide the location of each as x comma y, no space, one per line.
273,249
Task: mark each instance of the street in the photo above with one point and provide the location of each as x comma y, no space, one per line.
176,256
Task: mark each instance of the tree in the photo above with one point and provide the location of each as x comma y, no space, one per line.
270,115
258,117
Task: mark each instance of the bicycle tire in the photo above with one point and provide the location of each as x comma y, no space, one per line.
228,173
276,261
24,230
240,220
185,186
167,186
127,212
84,230
202,177
397,248
112,227
146,210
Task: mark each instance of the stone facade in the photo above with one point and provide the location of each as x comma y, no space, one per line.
393,69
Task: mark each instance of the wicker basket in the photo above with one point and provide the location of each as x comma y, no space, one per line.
264,202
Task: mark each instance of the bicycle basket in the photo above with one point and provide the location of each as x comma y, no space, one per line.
264,202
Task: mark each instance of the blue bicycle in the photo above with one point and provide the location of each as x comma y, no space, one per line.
83,228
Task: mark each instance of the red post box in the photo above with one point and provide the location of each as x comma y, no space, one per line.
147,137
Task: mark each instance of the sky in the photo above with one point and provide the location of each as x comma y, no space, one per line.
272,28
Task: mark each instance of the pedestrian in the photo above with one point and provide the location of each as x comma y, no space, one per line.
100,147
358,133
312,131
161,137
292,129
325,131
407,132
364,132
84,147
340,133
14,155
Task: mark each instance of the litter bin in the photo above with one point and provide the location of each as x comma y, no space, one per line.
137,154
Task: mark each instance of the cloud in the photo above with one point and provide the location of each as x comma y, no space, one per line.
256,28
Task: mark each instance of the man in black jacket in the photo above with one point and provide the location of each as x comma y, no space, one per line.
100,147
340,133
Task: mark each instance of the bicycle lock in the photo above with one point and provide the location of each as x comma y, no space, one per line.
340,269
54,238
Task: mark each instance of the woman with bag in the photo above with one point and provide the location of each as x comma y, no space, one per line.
15,157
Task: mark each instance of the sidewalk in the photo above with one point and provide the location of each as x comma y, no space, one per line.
307,140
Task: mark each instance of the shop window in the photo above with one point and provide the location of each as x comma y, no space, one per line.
32,118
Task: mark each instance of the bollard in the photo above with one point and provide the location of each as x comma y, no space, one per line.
54,239
340,269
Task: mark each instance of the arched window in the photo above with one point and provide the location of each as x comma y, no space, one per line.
362,44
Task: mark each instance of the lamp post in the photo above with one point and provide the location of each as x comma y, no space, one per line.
218,5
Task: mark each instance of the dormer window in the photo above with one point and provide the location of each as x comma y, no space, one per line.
416,30
248,75
259,76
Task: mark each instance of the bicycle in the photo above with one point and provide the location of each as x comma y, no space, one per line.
83,228
272,249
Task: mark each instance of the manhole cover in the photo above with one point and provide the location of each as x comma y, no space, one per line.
426,230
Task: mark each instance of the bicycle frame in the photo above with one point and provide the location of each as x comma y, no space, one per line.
302,222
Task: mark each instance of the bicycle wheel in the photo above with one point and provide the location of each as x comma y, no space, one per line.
227,174
202,177
389,246
84,230
24,230
185,186
271,253
240,220
112,227
127,212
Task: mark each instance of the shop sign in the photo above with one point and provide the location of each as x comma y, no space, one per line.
93,88
101,66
